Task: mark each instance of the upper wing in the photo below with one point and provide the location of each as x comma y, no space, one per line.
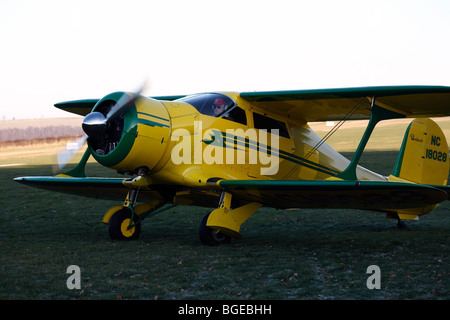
85,106
81,107
368,195
335,104
326,104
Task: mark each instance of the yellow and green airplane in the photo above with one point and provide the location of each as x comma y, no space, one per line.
237,152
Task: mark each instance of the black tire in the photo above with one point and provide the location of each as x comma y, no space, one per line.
209,236
118,226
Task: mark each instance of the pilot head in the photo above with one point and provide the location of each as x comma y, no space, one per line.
219,106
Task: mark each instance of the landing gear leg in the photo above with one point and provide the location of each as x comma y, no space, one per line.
224,223
401,225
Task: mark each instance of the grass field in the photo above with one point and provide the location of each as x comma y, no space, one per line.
300,254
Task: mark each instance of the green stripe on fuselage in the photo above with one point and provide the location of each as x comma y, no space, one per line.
152,123
247,143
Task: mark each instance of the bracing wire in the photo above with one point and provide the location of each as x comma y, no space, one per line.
336,127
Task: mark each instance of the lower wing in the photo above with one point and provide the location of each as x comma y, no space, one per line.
99,188
368,195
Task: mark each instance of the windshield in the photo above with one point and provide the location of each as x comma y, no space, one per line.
211,104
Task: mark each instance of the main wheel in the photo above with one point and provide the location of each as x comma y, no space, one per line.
118,226
209,236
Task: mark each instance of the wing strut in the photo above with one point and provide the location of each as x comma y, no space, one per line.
378,114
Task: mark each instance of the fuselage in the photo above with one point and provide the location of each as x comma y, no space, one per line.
182,142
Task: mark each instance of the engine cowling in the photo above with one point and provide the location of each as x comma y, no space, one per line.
134,138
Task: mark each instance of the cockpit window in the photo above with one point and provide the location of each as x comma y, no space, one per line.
217,105
211,104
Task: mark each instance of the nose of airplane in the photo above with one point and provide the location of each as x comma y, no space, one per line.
111,127
127,131
94,125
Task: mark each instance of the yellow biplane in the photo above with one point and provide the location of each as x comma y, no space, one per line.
236,152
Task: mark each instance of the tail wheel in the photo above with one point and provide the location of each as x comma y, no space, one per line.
118,226
209,236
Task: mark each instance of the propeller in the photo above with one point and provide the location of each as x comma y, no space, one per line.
95,125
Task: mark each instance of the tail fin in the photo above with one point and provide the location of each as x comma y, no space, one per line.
424,154
423,158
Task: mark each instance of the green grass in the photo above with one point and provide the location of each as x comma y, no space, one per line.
300,254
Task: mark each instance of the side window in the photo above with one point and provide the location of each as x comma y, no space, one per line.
263,122
236,115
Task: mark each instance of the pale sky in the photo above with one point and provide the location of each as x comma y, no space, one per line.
58,50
